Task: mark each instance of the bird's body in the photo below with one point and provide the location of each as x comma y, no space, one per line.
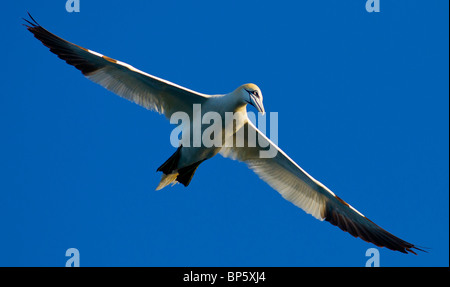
167,98
194,151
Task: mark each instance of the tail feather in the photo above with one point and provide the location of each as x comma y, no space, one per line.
167,179
172,174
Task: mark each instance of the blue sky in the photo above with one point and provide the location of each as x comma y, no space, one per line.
363,107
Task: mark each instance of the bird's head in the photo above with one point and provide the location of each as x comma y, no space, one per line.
251,94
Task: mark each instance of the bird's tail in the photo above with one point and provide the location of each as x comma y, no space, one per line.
169,170
183,175
172,174
167,179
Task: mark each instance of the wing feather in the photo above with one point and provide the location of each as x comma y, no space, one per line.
298,187
126,81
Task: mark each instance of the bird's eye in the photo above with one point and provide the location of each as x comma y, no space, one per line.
255,93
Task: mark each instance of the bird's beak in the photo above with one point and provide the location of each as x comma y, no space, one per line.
257,103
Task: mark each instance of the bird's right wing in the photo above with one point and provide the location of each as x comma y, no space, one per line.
298,187
128,82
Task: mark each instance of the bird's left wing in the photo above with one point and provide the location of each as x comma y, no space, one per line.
298,187
128,82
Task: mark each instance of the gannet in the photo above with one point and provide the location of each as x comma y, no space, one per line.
164,97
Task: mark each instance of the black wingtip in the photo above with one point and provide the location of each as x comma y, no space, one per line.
367,230
32,25
419,248
33,22
33,19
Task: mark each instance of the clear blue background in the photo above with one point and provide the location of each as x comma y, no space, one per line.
363,107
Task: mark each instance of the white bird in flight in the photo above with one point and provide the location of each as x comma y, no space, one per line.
280,172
